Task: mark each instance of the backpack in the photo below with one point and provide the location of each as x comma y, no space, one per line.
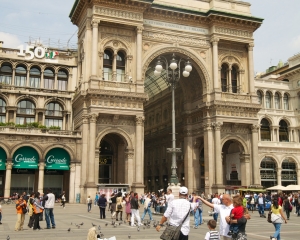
286,204
214,235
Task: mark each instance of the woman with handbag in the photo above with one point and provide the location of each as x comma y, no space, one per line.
276,218
37,210
119,206
20,206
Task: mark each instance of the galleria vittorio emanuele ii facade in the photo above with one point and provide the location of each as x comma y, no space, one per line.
100,116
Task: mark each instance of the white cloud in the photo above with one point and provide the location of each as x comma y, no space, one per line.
10,40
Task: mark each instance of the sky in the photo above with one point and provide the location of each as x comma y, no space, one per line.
47,21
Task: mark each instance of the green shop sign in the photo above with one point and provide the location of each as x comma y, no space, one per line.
57,158
2,159
26,157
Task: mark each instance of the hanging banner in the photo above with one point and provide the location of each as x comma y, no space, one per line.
2,159
57,158
26,158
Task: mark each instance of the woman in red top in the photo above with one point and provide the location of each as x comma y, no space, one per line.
20,205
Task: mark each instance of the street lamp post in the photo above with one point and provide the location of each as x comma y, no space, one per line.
173,76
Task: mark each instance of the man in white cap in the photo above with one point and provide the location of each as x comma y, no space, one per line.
178,211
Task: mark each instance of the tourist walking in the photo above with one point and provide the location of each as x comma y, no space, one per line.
119,206
178,212
277,216
21,207
261,202
63,199
96,199
127,207
287,207
113,200
147,207
89,202
102,202
30,210
49,201
134,205
37,210
215,201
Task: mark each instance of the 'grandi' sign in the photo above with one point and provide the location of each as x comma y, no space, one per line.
26,158
58,159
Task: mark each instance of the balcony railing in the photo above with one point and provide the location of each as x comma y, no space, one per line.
38,131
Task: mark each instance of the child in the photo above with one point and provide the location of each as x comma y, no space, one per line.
236,213
212,234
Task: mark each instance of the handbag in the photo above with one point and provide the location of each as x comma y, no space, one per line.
173,232
276,218
119,206
269,217
24,210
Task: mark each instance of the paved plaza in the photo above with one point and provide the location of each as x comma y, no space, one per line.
257,228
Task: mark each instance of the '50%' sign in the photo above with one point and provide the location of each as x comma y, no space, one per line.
38,52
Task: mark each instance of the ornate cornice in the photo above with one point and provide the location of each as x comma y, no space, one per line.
234,32
255,128
217,126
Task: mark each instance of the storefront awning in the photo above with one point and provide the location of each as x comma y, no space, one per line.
2,159
26,158
58,159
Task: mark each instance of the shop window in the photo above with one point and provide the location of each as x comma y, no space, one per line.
288,173
265,133
121,67
277,101
35,78
5,73
268,100
49,79
259,97
54,115
2,111
21,76
107,64
283,131
285,102
268,173
224,76
25,112
62,80
234,78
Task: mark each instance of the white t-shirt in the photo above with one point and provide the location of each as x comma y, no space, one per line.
223,211
207,236
216,201
169,198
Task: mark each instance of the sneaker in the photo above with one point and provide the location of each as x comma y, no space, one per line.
141,224
195,227
53,226
47,228
133,225
229,233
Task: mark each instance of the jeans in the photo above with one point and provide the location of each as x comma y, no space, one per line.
147,210
197,217
261,209
158,209
287,211
89,206
234,227
135,213
215,216
277,230
49,217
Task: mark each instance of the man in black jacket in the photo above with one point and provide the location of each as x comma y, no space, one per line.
134,205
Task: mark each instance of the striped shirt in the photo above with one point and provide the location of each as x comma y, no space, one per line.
212,235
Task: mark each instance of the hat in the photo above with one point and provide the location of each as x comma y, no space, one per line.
183,190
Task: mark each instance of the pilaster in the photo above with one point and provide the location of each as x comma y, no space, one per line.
41,175
214,41
255,163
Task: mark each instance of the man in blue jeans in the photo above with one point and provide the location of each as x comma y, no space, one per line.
49,200
261,201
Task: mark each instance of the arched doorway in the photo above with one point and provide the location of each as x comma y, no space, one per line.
112,160
268,172
288,172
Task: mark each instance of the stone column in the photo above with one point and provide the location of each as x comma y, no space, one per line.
129,166
101,54
55,81
88,52
42,79
229,79
208,158
218,154
214,42
255,163
84,152
279,176
96,165
27,78
41,176
13,76
139,53
298,175
189,171
95,24
251,67
139,120
72,197
121,163
245,168
114,67
91,159
8,178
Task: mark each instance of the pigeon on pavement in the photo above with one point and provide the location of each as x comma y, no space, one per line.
69,229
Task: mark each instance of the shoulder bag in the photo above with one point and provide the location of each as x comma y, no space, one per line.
269,217
173,232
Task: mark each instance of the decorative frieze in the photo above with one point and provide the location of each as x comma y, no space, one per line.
176,39
233,32
115,13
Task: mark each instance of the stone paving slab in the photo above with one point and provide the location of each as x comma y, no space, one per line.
257,228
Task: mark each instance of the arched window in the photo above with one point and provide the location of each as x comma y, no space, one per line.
268,100
21,76
48,78
283,131
25,112
277,101
121,66
5,73
224,76
288,173
234,77
259,97
35,77
107,64
62,80
265,133
285,102
268,173
2,110
54,115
